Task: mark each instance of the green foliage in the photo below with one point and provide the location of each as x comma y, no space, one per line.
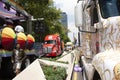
51,58
54,73
63,62
45,9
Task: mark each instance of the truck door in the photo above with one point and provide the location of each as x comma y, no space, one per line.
90,20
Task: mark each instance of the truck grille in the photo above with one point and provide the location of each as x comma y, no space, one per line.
47,50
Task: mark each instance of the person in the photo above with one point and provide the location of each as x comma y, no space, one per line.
19,28
9,23
17,58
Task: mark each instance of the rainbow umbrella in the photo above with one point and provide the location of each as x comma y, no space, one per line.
8,38
30,41
21,39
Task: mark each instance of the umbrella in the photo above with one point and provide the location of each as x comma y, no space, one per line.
30,41
21,39
8,38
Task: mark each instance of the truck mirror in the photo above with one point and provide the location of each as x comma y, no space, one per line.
87,31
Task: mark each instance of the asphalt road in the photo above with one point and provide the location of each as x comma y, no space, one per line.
77,76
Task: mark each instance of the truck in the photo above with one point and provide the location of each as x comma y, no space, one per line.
98,22
10,11
69,46
52,46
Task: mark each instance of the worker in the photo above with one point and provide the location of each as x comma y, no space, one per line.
9,23
18,27
17,58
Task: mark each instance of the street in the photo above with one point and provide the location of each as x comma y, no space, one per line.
77,76
77,71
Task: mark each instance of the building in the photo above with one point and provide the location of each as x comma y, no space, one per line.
64,20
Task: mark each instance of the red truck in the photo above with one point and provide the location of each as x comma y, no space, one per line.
52,45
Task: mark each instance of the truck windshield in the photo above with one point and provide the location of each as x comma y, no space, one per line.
109,8
50,42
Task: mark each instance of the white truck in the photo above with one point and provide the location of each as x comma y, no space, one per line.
98,22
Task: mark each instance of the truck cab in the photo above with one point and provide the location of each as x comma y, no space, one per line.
69,46
52,45
98,22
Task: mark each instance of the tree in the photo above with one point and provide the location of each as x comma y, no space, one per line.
45,9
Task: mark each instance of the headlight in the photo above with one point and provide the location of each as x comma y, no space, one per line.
54,51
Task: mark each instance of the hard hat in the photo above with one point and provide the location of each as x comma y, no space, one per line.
19,28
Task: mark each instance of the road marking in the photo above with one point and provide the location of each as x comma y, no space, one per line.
75,76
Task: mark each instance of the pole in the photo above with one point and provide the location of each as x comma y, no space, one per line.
29,25
79,39
79,36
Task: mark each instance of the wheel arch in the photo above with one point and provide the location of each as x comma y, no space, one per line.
96,75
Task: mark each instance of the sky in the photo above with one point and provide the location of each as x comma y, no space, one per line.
68,7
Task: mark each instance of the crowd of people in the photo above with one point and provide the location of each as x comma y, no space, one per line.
18,55
14,25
